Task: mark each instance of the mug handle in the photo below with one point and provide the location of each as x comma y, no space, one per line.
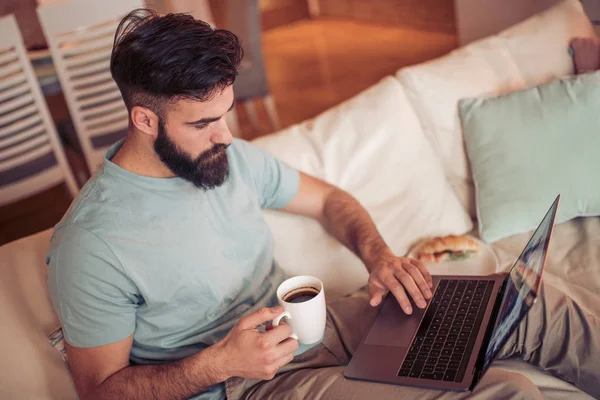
278,319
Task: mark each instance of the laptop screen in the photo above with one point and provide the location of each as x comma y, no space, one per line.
522,285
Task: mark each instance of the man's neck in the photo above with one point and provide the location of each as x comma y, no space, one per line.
139,157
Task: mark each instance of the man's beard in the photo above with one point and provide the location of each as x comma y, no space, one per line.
207,171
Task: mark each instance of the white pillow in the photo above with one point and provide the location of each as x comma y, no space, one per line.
373,147
527,54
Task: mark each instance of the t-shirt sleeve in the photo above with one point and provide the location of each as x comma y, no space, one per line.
276,182
94,299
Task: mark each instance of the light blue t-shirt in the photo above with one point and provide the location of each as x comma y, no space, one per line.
174,265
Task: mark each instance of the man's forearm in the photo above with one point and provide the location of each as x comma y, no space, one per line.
178,380
348,221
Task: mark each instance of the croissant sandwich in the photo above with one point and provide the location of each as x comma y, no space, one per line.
447,248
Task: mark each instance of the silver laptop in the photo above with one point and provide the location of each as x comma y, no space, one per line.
452,342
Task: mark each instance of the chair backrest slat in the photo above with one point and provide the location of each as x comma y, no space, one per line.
29,145
80,36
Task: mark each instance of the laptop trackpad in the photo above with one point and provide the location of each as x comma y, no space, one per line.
393,327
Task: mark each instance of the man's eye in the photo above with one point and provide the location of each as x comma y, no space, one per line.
200,126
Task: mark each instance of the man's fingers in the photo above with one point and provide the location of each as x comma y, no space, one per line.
418,278
277,334
287,347
409,286
424,271
398,291
251,321
377,292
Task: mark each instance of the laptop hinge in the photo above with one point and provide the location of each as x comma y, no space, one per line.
478,373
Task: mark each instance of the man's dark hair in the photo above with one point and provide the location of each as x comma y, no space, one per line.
159,59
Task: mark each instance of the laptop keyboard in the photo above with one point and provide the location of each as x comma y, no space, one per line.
446,336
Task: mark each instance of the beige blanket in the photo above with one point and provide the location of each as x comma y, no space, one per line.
573,263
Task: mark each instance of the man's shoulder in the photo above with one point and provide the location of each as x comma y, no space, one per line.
88,212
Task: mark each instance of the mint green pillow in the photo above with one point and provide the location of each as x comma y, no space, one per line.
527,147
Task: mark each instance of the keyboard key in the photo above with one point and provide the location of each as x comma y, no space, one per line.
443,284
422,356
435,353
446,352
449,375
438,376
428,342
455,330
410,357
437,321
431,361
416,369
426,376
407,364
463,335
426,349
456,357
449,345
418,341
446,325
459,349
404,372
428,369
461,342
414,349
443,360
472,285
453,364
431,334
438,346
440,338
469,321
440,368
452,338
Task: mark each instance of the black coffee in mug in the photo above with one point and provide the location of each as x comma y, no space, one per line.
300,295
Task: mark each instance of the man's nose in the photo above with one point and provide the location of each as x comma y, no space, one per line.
223,134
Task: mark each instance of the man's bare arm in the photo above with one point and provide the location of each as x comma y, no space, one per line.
349,222
104,372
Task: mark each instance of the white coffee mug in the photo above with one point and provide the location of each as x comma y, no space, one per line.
303,301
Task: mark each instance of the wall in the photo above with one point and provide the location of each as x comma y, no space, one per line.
480,18
430,15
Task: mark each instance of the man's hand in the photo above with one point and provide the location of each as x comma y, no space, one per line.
251,354
399,275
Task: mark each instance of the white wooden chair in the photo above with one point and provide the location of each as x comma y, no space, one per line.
31,155
80,35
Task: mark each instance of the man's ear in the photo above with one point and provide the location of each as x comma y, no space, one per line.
145,120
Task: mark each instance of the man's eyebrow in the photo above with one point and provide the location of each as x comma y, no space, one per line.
208,120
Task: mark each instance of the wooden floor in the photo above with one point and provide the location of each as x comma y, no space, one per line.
312,65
